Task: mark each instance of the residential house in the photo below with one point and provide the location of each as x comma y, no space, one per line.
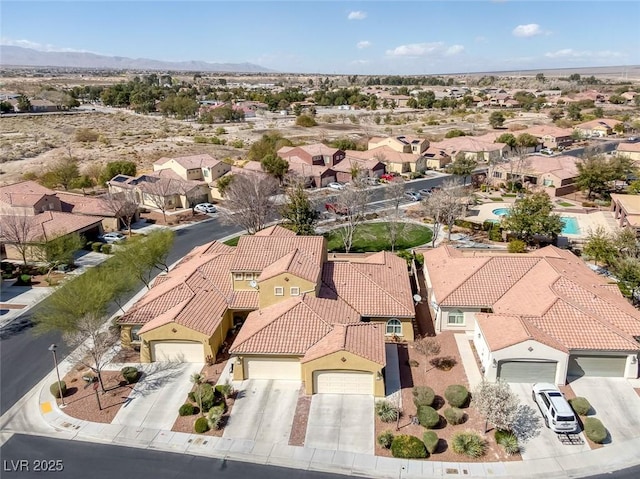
298,314
630,150
194,168
598,128
556,175
372,167
551,136
43,106
393,160
476,148
626,209
315,154
402,144
537,317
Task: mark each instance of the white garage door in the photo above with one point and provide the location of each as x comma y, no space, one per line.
342,382
528,371
272,368
177,351
604,366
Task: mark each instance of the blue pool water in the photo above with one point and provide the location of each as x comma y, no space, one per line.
500,211
570,226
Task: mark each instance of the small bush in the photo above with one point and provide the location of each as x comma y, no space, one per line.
187,409
306,121
580,405
423,396
595,430
23,280
86,135
468,443
386,411
508,441
208,396
430,440
192,396
454,416
130,374
444,363
201,425
106,249
517,246
56,390
456,395
408,447
428,417
225,390
95,247
214,416
385,439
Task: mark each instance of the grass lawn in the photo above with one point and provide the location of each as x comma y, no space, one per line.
565,204
232,241
496,198
373,237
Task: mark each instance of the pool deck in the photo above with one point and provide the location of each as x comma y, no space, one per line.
587,222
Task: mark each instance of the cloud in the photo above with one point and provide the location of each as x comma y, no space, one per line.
357,15
38,46
529,30
571,53
480,39
425,49
363,44
360,62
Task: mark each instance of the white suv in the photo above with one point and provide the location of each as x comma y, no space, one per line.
558,415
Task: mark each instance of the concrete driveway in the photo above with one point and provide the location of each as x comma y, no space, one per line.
546,444
156,398
263,411
341,422
615,403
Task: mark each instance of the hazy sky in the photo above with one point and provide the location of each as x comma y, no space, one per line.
370,37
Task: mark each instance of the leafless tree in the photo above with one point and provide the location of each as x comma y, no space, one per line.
17,230
92,340
123,205
518,165
427,346
250,198
445,206
352,202
157,190
394,224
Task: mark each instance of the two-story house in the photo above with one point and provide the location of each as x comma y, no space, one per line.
194,168
402,144
551,136
298,314
599,128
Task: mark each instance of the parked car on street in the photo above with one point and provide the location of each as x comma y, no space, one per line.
425,191
114,237
389,176
336,185
205,208
413,195
336,208
547,151
556,411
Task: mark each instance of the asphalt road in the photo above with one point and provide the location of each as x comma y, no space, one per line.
24,358
83,460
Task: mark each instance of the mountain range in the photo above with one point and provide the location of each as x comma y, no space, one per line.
20,56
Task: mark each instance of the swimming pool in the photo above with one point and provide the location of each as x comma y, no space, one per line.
570,225
500,211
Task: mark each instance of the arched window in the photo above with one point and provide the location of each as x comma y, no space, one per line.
455,317
135,336
394,327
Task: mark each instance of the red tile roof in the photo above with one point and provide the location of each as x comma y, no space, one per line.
191,162
24,193
53,224
364,339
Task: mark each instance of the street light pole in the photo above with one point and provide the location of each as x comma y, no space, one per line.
53,348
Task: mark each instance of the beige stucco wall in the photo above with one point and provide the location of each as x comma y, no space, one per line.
334,362
211,174
239,363
442,317
287,281
407,327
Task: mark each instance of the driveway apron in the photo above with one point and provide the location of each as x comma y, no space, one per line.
156,398
263,411
341,422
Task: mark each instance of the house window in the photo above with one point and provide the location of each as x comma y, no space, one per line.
205,172
238,276
135,337
278,291
497,174
455,317
394,327
294,291
248,276
547,182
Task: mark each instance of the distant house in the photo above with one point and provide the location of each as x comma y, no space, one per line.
43,106
194,168
550,136
630,150
556,175
393,160
343,170
402,144
597,128
626,210
476,148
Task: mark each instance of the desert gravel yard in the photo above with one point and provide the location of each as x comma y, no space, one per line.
614,402
341,422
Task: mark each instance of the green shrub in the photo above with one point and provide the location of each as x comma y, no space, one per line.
385,439
192,396
56,390
225,390
408,447
428,417
23,280
201,425
306,121
208,399
423,396
430,440
214,416
508,441
187,409
386,411
444,363
454,416
106,249
468,443
517,246
595,430
456,395
580,405
130,374
95,247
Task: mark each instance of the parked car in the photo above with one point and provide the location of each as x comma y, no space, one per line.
389,176
114,237
556,412
336,185
371,180
632,139
413,195
336,208
425,191
205,208
546,151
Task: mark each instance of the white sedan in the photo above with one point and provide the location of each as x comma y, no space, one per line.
336,185
114,237
205,208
